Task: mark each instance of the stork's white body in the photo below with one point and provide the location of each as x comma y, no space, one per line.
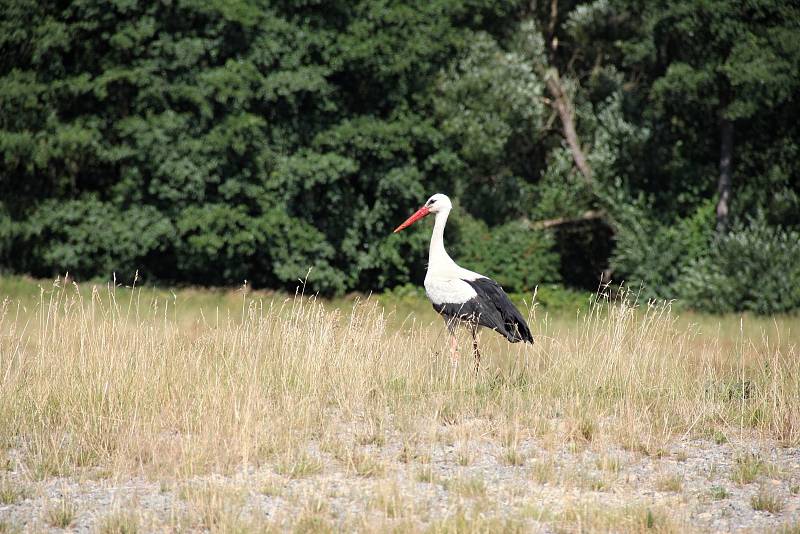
445,281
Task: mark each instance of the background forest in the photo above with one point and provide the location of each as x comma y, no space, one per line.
209,142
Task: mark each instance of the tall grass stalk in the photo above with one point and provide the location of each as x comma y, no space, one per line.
140,386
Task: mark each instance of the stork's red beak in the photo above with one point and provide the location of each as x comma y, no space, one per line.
419,214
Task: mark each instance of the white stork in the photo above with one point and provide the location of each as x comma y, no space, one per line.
463,296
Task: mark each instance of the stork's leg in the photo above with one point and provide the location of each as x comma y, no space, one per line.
475,351
453,354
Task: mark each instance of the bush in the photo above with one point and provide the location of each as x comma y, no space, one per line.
89,238
655,255
753,268
221,244
258,140
554,297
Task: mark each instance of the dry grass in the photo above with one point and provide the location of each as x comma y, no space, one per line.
470,487
465,457
609,462
767,501
313,518
749,467
543,470
719,493
118,522
86,381
5,462
214,508
669,483
294,464
12,492
366,465
635,518
119,381
513,456
390,501
426,474
270,488
61,514
463,523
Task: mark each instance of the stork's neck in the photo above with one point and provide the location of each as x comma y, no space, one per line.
437,255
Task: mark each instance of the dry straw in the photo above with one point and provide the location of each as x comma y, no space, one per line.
134,384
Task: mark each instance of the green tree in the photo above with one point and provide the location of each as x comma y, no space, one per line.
260,140
719,66
212,142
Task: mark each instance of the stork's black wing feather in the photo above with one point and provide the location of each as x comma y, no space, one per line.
498,312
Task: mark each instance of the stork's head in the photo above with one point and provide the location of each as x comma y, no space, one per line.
435,204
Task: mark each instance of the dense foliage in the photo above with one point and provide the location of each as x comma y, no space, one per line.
222,141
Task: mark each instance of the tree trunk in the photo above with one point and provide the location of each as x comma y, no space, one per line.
725,168
559,221
566,114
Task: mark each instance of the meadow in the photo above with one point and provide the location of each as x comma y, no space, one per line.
139,410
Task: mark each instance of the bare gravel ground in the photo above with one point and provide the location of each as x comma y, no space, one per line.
451,478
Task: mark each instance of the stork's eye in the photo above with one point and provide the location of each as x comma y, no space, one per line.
431,201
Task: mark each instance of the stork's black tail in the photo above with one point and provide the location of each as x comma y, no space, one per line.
512,325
